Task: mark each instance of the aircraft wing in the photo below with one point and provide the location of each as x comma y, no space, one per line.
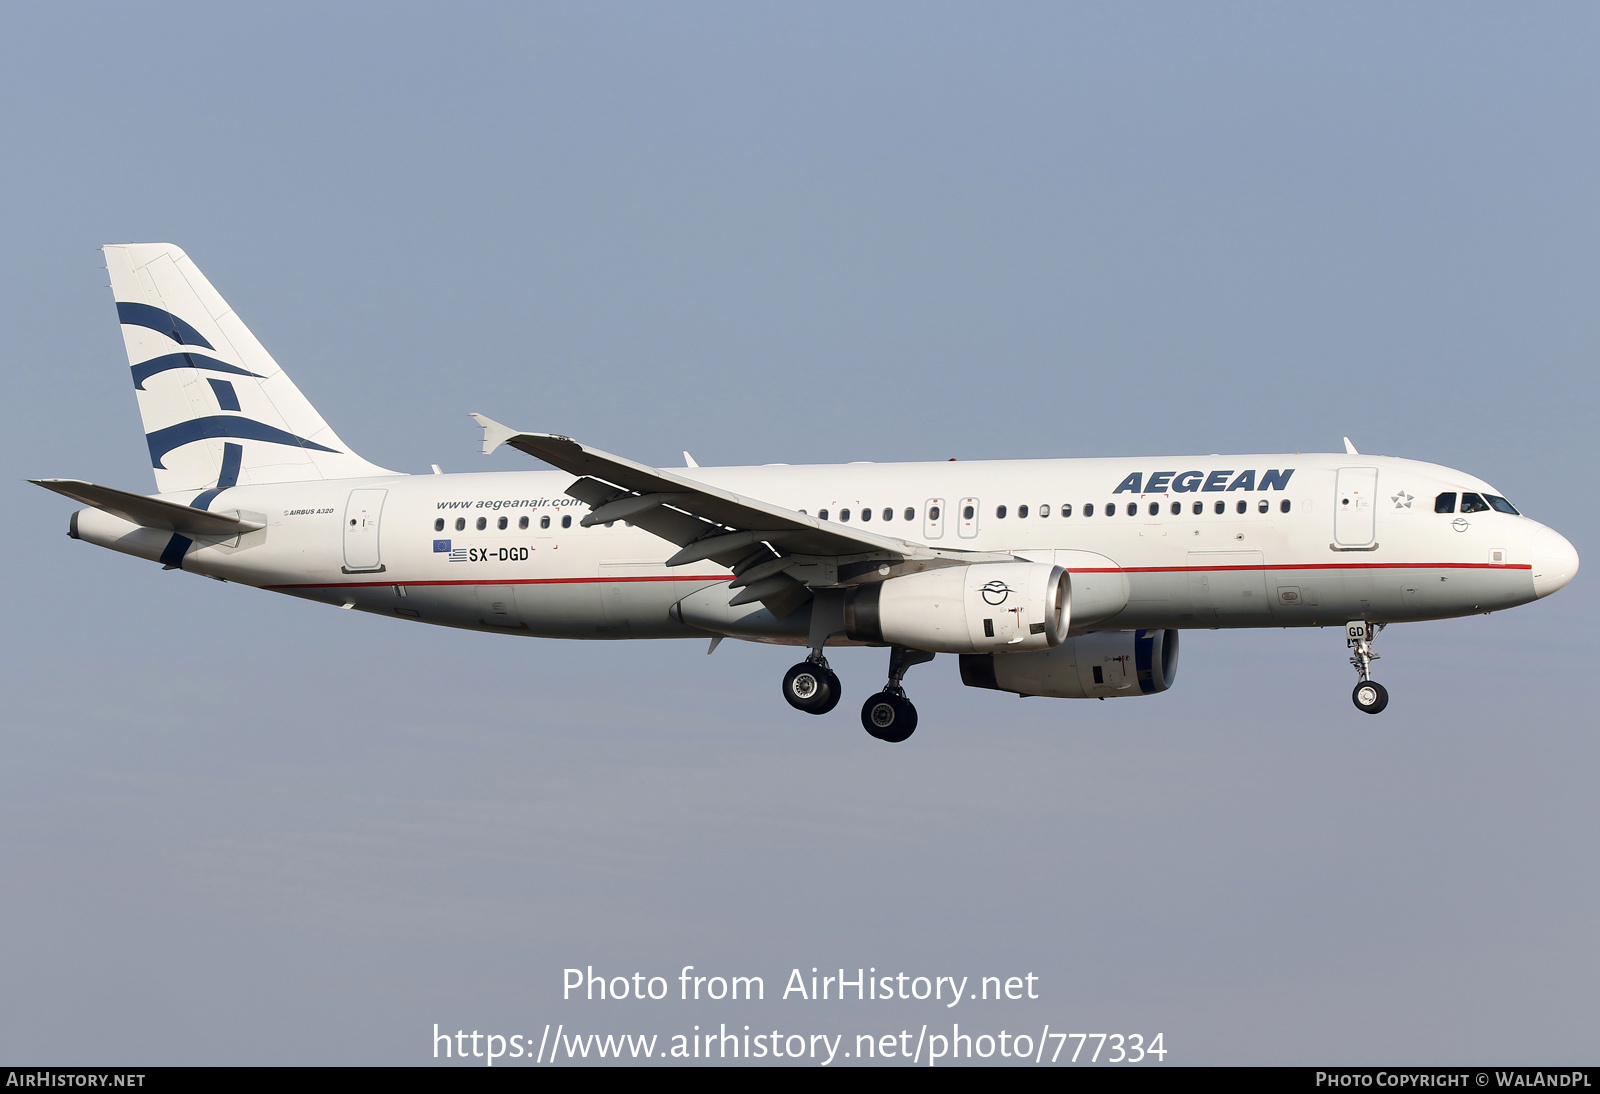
773,550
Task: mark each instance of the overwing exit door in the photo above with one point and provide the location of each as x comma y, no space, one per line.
968,528
361,515
1355,509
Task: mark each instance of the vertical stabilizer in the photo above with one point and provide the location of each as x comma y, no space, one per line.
217,409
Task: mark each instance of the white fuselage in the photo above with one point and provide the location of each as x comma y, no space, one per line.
1340,537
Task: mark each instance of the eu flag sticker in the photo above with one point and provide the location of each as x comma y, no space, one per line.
441,546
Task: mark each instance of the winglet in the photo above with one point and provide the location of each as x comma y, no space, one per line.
1349,448
494,434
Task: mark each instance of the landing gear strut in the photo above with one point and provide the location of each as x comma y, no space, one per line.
811,685
889,715
1369,696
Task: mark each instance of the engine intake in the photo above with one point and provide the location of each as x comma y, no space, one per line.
991,606
1091,666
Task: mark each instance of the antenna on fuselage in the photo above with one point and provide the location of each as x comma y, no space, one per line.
1349,448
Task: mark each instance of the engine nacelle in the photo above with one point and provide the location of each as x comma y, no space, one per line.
966,609
1090,666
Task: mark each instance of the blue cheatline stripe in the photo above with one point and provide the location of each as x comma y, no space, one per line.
165,440
227,398
1143,649
232,456
146,369
172,555
162,322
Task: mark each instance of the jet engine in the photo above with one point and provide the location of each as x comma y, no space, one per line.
965,609
1091,666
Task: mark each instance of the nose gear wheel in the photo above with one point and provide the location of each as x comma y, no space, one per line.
1369,696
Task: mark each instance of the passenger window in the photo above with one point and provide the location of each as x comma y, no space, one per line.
461,523
1044,511
1472,503
1111,510
1199,507
866,513
1222,507
844,516
1263,507
1000,512
967,513
1088,510
501,524
1445,503
1283,506
1022,512
522,523
1242,506
544,522
911,514
1501,505
933,512
566,522
483,522
1177,508
438,525
888,514
822,514
1155,509
1066,511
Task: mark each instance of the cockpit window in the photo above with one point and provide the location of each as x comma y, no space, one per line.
1501,505
1472,503
1445,503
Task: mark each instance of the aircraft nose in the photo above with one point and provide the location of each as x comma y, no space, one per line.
1555,561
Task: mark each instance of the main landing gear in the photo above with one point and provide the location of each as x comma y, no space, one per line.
811,685
1369,696
889,715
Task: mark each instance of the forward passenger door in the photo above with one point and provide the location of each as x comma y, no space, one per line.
1354,509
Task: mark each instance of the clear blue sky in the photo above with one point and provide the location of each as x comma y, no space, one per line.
234,827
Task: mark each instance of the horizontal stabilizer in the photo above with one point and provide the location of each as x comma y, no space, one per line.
149,512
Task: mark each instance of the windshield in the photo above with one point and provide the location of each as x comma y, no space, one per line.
1501,505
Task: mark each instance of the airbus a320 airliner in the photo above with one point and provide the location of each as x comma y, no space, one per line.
1064,578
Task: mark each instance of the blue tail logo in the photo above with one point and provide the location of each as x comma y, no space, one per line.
165,440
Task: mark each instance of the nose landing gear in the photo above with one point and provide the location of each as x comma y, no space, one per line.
889,715
811,686
1369,696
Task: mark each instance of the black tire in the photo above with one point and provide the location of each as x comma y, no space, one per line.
834,692
889,717
1370,697
811,688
